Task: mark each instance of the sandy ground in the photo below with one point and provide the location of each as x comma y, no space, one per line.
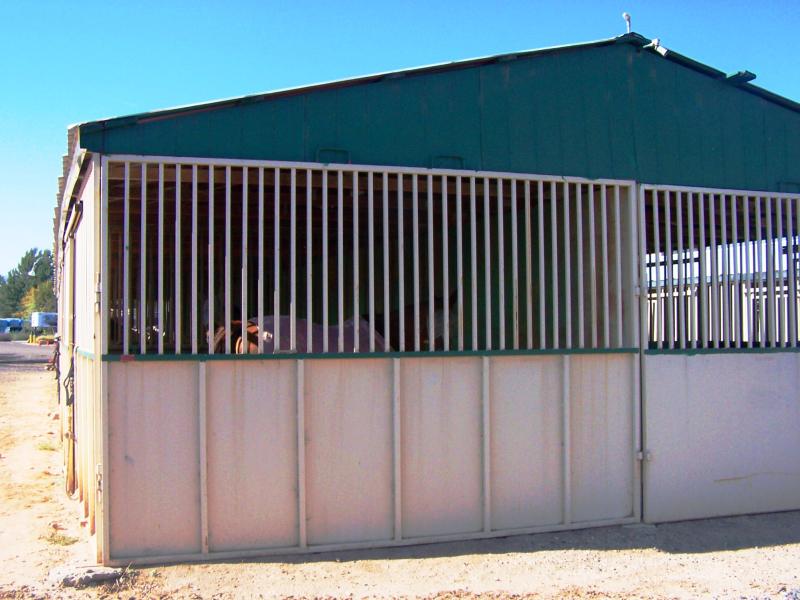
40,529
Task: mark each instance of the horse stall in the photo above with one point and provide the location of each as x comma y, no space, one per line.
367,342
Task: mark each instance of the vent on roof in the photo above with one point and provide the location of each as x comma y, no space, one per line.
740,77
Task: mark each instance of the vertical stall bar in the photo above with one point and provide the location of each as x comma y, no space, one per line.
445,270
228,226
542,322
593,267
415,242
579,250
703,320
658,308
460,263
293,261
386,300
528,268
431,307
261,281
126,262
143,266
726,273
514,268
325,279
759,260
781,286
160,258
771,303
748,274
669,272
715,312
604,252
340,256
692,306
309,263
371,258
243,291
195,280
567,274
681,273
210,327
618,263
554,259
177,308
791,296
737,275
401,271
487,276
277,268
473,261
501,269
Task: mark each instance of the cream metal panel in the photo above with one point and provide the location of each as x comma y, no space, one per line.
154,482
441,446
348,434
251,424
722,435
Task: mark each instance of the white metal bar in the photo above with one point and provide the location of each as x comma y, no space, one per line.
749,275
566,442
356,286
726,274
397,457
702,319
143,266
293,261
669,270
276,302
178,306
309,262
780,311
243,291
486,444
618,262
579,249
791,297
431,307
401,271
771,301
202,386
126,262
554,259
540,230
528,268
386,298
474,261
692,316
567,271
501,269
415,228
759,259
160,258
715,313
210,331
325,280
593,272
681,272
228,260
261,281
487,256
638,223
514,267
737,276
195,278
793,266
371,258
301,455
445,270
460,263
340,250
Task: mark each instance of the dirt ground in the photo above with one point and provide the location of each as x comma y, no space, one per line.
40,529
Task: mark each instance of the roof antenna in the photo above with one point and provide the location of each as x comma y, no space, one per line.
627,18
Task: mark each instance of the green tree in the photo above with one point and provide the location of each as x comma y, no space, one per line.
34,269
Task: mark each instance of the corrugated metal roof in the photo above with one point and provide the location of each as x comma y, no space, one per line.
634,39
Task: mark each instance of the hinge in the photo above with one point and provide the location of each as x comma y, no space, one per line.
97,293
637,291
644,455
99,477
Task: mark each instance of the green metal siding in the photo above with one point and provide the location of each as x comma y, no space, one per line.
603,111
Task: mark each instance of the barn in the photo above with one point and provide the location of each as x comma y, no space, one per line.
545,290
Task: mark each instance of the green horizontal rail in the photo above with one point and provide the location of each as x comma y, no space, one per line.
698,351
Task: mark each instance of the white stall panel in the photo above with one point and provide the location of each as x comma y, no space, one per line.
601,427
525,400
252,454
154,482
348,412
724,435
441,446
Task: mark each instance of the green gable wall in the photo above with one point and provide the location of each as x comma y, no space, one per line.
602,111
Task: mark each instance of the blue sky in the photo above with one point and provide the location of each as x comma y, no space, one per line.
68,62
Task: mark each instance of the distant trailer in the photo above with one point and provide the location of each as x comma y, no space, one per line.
44,320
